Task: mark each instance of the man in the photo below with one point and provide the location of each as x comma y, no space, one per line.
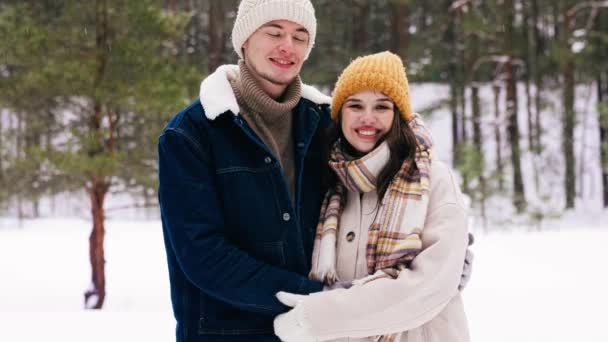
240,180
240,185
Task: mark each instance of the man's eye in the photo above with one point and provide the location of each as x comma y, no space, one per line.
274,34
300,39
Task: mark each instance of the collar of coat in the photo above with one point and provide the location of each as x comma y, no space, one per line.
217,96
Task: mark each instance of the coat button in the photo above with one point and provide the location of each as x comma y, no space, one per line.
350,236
286,217
267,160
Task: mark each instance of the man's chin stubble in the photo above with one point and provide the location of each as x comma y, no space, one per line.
275,82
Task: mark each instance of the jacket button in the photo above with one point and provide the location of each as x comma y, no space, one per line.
350,236
286,217
267,160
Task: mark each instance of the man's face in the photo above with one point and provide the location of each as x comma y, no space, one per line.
275,52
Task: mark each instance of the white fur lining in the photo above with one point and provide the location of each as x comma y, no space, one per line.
217,96
313,94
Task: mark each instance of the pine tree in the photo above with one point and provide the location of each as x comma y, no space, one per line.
110,65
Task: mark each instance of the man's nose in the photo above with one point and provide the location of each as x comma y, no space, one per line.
287,44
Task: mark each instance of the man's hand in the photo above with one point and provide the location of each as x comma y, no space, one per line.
292,325
338,285
467,269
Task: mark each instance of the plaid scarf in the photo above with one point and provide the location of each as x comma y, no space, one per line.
394,236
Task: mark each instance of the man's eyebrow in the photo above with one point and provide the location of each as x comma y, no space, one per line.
301,29
273,25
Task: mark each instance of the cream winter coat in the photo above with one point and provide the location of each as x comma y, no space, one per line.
423,302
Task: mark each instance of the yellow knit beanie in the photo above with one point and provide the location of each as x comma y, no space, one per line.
383,72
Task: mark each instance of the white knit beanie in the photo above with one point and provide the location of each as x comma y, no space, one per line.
254,13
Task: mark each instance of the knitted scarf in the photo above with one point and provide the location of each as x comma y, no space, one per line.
394,236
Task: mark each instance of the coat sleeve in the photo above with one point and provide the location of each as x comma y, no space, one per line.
387,306
193,224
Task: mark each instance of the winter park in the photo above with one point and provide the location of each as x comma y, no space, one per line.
157,169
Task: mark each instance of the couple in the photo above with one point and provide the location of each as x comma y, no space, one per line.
289,215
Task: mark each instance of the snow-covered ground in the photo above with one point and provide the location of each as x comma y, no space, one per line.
526,286
44,270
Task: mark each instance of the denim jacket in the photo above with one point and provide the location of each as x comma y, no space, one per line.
233,236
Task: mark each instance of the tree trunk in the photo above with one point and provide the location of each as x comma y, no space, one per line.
361,33
217,34
20,153
399,25
519,200
527,38
568,133
461,85
95,296
538,42
462,68
602,90
498,139
171,5
476,123
475,106
455,122
98,187
334,68
450,43
424,14
1,147
568,117
602,98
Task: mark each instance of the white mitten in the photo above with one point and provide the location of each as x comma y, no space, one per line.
292,326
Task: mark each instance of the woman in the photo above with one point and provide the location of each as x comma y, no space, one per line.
393,223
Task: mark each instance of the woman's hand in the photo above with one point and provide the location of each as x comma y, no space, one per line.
292,326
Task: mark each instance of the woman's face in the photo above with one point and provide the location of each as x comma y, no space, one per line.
366,118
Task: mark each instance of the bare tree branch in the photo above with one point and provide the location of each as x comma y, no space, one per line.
570,19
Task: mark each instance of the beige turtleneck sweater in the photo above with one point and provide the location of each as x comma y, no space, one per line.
271,120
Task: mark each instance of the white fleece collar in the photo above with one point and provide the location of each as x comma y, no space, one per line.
217,96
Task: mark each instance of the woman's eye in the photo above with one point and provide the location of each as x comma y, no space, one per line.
355,106
382,108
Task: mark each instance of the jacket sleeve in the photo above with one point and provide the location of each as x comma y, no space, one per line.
193,222
417,295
